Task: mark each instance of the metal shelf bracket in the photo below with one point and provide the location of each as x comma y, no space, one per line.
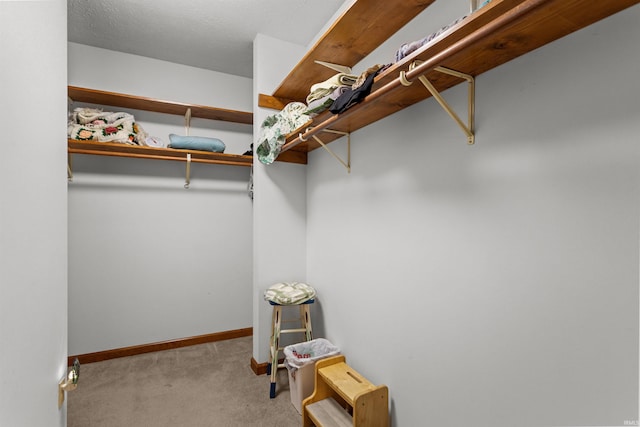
187,121
346,164
187,180
467,128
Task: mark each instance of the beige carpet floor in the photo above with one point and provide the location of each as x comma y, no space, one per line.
198,386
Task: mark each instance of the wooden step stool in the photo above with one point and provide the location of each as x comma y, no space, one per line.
342,397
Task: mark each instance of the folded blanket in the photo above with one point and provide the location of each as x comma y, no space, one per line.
93,124
319,105
340,79
322,89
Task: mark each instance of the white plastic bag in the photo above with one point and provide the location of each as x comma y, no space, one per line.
301,354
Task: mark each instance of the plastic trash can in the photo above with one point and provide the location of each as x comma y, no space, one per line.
300,361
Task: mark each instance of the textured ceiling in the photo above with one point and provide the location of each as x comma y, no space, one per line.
212,34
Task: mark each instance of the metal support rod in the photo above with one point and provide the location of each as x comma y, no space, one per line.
471,93
346,164
468,129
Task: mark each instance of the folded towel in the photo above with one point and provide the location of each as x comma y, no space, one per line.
155,142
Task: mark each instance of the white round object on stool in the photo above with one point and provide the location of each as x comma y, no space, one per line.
290,293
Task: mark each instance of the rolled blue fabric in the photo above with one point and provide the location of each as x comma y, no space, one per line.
199,143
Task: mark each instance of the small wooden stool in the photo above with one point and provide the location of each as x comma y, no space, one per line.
276,330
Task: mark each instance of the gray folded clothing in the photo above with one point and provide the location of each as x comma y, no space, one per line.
408,48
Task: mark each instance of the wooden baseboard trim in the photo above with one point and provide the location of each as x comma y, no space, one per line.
261,368
258,368
159,346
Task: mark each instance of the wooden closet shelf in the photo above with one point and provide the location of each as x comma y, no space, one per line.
491,36
92,96
354,35
136,151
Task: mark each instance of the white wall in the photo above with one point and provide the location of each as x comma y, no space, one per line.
138,75
33,207
148,260
493,285
279,220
